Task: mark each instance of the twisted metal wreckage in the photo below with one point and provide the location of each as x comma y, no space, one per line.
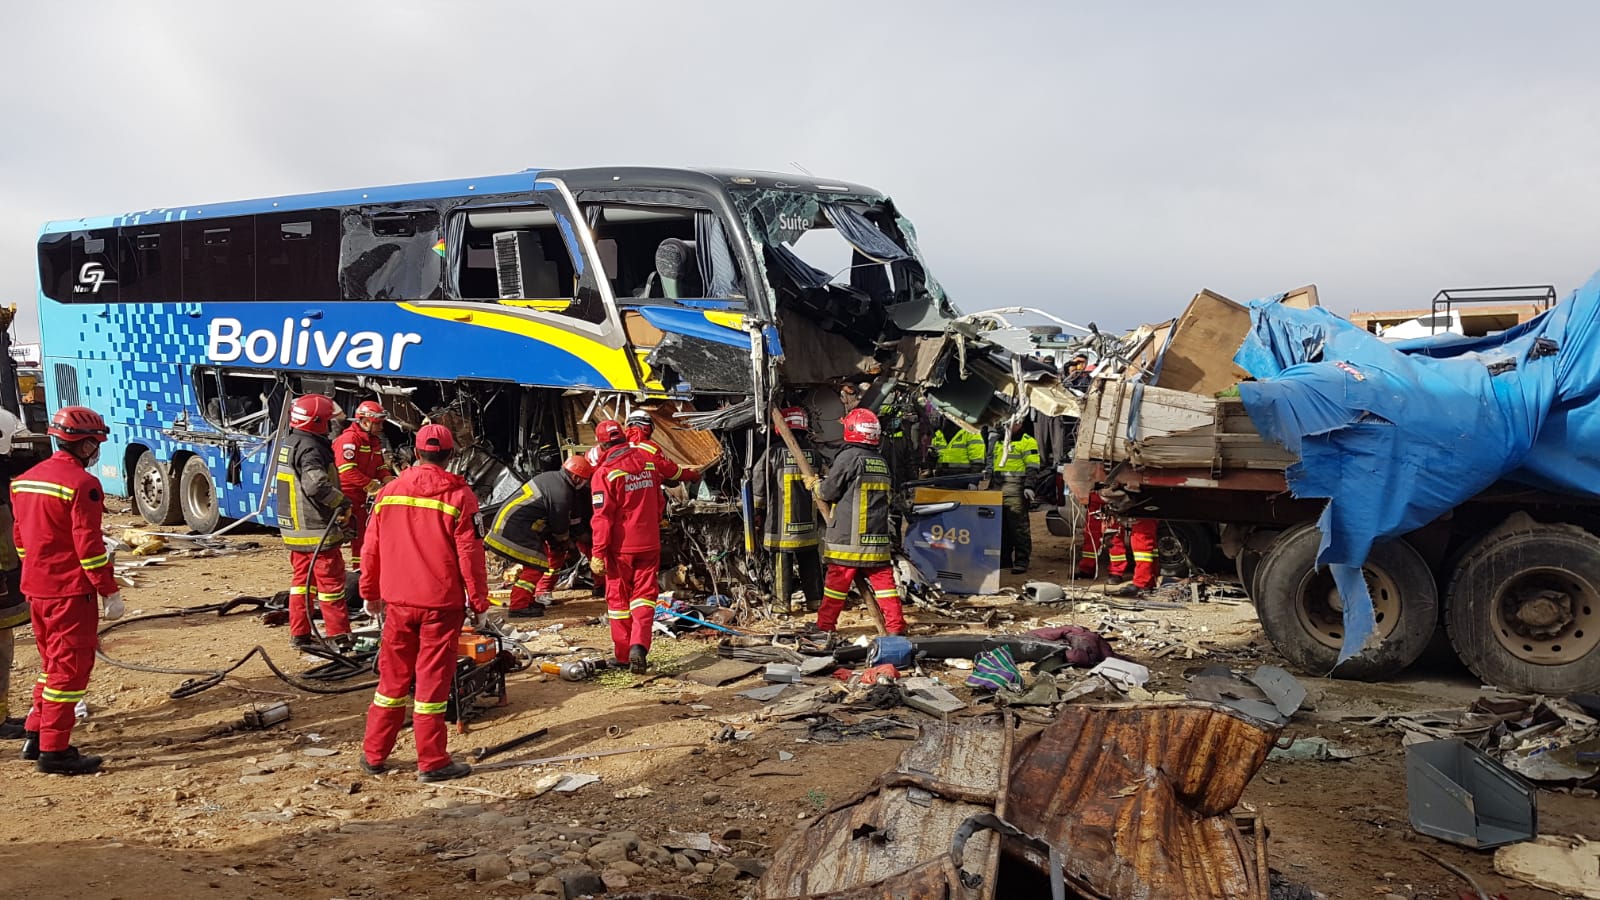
889,327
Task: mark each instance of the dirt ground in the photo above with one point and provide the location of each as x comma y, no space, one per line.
189,805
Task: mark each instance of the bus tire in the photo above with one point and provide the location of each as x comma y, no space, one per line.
1302,615
152,490
1523,610
197,494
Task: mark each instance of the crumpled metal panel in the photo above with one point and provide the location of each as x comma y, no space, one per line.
892,842
1137,797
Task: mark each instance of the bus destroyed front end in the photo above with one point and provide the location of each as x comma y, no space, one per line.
847,305
853,301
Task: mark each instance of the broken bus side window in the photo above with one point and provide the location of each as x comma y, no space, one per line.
665,251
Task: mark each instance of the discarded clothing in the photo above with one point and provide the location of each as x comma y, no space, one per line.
995,670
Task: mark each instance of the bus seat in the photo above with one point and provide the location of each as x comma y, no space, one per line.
679,269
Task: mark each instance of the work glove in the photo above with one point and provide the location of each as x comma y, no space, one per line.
479,619
372,607
114,607
689,473
597,565
1029,494
811,482
374,486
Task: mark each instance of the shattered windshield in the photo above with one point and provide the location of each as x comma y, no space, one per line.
843,243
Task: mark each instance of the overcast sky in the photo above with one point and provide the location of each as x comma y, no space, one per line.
1103,162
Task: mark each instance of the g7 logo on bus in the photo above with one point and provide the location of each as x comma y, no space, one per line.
90,277
295,343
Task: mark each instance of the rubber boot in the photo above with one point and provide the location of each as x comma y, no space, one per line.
67,762
30,745
637,663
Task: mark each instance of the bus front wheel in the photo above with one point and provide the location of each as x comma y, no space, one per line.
153,493
198,495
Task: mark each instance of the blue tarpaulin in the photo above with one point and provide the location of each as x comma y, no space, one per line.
1396,435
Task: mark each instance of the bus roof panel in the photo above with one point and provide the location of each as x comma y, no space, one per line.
580,178
393,193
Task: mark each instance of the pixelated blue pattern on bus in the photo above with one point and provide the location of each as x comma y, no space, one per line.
132,362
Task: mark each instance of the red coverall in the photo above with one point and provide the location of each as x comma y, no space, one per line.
58,507
424,560
359,457
628,505
1141,536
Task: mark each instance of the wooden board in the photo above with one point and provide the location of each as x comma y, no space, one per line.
1173,429
1199,355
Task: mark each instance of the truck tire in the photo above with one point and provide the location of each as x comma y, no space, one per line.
198,495
1248,563
153,493
1302,615
1186,548
1523,610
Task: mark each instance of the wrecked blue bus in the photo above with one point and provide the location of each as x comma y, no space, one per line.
515,308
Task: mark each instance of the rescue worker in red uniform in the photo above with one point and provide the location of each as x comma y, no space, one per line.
1105,530
638,429
58,506
786,516
425,562
358,452
857,543
311,509
534,529
628,506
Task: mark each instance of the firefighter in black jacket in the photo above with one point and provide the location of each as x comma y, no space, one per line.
858,541
311,508
534,529
787,517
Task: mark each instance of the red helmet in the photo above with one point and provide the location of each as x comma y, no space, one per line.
311,413
78,423
795,417
608,432
578,466
861,427
370,409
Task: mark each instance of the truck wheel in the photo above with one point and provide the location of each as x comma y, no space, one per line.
1248,563
1185,548
198,494
1303,615
153,494
1523,610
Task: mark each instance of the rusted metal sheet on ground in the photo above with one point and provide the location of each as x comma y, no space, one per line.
1137,797
893,841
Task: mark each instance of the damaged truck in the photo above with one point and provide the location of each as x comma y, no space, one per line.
518,309
1375,496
